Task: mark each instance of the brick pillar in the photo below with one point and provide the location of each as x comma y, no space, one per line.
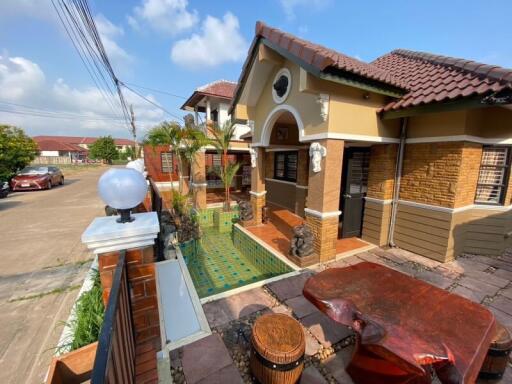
258,186
322,212
199,180
142,285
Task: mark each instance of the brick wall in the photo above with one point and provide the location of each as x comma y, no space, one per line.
381,174
153,163
325,233
142,283
468,174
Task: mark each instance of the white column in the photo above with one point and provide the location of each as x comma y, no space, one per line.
196,116
208,110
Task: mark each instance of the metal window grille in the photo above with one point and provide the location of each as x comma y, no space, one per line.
285,166
492,178
166,160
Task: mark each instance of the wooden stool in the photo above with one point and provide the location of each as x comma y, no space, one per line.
278,347
496,360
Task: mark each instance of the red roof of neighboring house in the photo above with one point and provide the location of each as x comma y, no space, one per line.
222,89
54,145
80,140
413,78
435,78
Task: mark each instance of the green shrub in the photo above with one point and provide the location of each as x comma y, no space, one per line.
90,311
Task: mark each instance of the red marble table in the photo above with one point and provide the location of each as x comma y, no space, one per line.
406,329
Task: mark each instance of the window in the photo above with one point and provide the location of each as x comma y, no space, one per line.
493,177
285,166
166,161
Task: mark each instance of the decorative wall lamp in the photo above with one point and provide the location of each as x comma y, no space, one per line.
122,189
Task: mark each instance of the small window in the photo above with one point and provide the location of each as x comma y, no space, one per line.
166,162
285,166
493,177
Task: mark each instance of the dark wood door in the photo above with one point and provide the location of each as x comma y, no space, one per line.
354,186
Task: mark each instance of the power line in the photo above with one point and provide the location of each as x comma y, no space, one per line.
157,90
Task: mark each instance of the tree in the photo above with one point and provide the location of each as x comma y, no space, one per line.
105,149
222,137
16,150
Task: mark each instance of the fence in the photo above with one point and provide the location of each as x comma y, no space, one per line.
52,160
115,355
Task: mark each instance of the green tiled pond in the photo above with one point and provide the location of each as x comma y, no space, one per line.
219,261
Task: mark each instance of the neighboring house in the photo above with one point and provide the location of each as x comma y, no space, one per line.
122,145
412,149
54,148
210,104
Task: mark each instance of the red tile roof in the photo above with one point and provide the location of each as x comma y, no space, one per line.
323,58
223,89
424,78
79,140
434,78
54,145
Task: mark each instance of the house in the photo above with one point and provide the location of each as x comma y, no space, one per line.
210,104
55,148
412,149
122,145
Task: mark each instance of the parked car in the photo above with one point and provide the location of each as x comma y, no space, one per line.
37,177
4,189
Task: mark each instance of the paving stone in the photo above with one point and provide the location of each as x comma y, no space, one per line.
434,278
301,306
507,293
204,357
478,285
387,255
405,268
223,311
312,345
351,260
503,304
311,376
229,374
282,309
291,287
504,274
502,317
409,256
337,264
476,296
325,330
337,363
372,258
489,278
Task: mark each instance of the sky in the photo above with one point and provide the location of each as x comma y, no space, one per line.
176,46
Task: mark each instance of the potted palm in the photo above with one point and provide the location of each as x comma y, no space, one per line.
221,140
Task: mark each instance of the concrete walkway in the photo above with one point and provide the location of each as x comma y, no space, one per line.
42,266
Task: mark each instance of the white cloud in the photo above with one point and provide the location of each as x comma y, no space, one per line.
19,77
23,82
109,32
168,16
220,41
290,6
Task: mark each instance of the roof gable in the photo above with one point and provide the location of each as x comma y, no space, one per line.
222,89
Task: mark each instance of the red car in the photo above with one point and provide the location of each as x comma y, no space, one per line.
37,177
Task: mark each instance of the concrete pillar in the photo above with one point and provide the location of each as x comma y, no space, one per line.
322,205
199,180
208,110
258,191
196,116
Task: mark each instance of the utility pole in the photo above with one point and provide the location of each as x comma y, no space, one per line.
134,132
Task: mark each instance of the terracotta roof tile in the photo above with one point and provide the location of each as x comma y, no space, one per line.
440,78
223,89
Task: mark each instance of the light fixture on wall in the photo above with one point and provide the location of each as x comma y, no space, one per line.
366,95
122,189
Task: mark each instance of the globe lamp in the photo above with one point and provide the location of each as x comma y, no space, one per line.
122,189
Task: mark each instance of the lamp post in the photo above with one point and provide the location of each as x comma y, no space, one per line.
122,189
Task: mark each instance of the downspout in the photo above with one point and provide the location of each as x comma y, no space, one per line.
396,184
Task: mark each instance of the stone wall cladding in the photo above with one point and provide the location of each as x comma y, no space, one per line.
325,233
142,282
431,172
258,202
381,175
468,174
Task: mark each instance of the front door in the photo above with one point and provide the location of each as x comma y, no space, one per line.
354,183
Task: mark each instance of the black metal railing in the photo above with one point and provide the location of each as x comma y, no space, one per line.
115,356
157,206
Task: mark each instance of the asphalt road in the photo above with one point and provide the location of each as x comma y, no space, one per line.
42,265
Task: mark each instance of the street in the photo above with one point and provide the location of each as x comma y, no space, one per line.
42,266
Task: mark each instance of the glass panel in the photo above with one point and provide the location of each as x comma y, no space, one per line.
491,179
291,166
166,160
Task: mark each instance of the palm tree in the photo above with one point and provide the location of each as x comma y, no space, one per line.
222,137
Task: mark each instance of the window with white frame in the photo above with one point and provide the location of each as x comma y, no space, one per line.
492,180
166,162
